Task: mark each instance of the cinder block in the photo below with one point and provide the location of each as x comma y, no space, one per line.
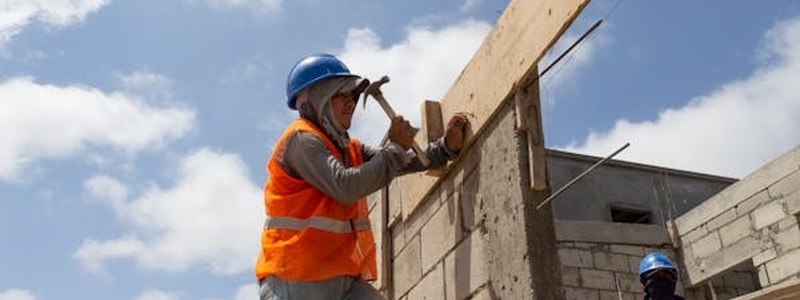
764,256
707,245
576,258
470,200
785,187
792,221
582,245
735,231
398,238
784,266
633,262
721,220
788,239
431,287
611,262
598,279
793,203
694,235
440,235
570,276
629,282
605,295
749,204
628,249
395,195
466,268
407,269
423,212
581,294
768,214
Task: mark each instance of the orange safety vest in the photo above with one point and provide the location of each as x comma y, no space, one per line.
309,236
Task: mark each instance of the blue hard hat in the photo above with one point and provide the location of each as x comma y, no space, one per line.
655,261
312,69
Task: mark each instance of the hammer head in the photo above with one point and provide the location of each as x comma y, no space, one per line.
374,89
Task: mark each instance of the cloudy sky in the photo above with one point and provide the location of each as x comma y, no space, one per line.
133,134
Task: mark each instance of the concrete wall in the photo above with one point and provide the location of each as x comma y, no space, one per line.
600,260
667,193
754,222
476,234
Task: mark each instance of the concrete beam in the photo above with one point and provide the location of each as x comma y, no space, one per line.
611,233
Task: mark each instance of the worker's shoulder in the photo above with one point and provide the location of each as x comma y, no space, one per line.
303,138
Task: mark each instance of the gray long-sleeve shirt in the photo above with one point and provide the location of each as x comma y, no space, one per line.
306,156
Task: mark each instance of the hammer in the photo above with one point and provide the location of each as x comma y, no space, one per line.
374,90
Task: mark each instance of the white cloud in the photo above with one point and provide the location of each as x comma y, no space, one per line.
421,67
16,14
144,80
108,189
156,88
258,5
156,295
42,121
16,294
730,131
210,216
247,292
470,5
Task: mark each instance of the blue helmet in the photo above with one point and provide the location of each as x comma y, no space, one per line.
655,261
312,69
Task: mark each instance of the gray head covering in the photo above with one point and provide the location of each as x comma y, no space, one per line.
313,104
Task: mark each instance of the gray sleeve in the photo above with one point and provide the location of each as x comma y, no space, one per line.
306,156
437,153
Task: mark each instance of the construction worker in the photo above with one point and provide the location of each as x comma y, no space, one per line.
659,276
317,242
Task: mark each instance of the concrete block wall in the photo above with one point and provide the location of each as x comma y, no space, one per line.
600,260
753,222
472,235
737,281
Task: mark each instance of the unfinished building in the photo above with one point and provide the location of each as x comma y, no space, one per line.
473,230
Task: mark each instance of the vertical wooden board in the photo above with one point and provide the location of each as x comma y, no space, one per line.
433,129
535,131
432,123
507,57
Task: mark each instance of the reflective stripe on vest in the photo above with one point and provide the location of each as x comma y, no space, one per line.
316,222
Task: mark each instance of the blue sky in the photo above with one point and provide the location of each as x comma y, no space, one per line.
133,134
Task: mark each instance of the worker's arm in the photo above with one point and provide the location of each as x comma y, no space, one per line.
437,153
306,156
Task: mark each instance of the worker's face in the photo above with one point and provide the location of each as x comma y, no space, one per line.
343,105
660,285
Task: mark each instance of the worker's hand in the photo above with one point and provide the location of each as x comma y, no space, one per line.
401,132
454,137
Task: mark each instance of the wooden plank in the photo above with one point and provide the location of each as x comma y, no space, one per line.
507,58
529,121
433,129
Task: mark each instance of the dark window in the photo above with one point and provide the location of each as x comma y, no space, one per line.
627,215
